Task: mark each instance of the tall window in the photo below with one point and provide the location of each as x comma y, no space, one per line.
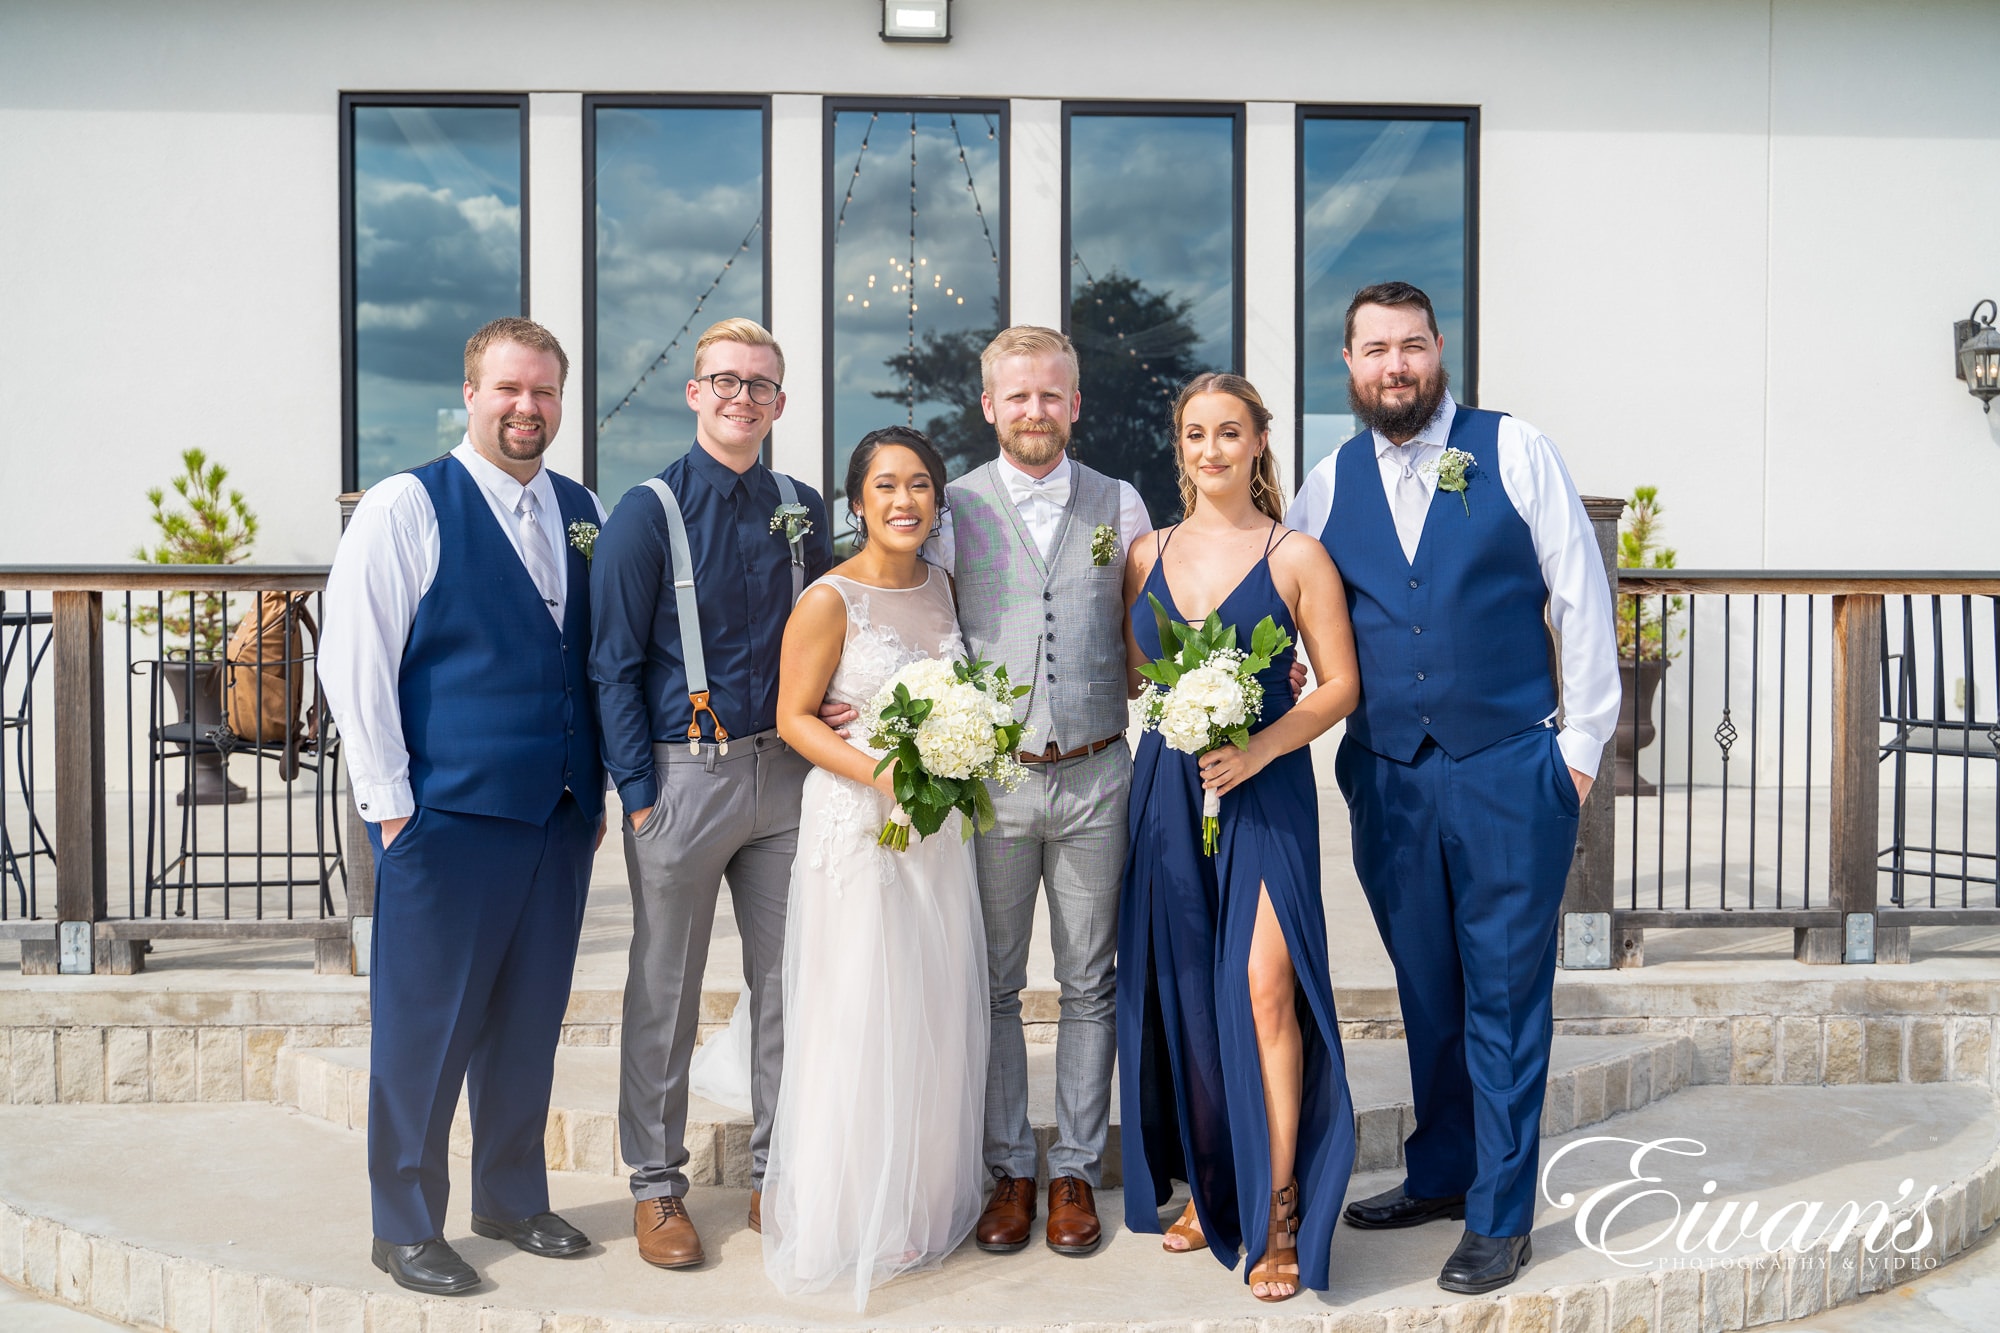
916,271
676,191
434,246
1384,194
1153,210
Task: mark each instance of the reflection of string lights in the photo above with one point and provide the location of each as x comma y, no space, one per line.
688,324
1090,286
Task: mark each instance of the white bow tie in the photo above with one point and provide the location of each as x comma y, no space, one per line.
1024,488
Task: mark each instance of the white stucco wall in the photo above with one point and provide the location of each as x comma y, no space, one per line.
1721,243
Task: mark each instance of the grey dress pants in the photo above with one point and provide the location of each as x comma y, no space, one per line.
736,817
1063,829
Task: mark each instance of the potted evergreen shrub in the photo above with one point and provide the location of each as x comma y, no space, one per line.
216,528
1646,634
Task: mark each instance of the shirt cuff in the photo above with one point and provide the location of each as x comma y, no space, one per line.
638,794
1579,751
388,800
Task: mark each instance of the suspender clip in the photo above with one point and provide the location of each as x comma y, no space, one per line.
699,698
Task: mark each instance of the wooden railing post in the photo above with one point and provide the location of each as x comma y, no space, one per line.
1587,938
1856,795
81,893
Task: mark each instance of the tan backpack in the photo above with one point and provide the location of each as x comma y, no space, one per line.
266,671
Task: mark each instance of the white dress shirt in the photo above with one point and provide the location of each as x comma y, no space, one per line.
1041,502
1535,480
382,569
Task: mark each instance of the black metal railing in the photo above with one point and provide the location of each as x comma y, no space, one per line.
1804,750
199,796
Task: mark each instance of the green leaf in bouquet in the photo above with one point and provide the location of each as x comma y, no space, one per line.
1170,632
1240,738
1267,641
983,814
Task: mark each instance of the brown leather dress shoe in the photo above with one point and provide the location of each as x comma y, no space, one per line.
667,1238
1073,1226
1010,1214
757,1211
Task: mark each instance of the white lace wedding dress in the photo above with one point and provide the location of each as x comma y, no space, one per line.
875,1148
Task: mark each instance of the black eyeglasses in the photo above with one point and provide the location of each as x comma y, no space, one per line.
762,392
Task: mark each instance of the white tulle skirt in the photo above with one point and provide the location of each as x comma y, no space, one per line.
875,1148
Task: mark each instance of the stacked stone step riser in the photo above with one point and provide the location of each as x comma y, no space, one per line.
719,1152
147,1289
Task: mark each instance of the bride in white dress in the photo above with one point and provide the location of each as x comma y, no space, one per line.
875,1147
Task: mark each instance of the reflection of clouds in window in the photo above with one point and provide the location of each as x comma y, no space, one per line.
950,274
680,195
1152,197
1382,200
437,253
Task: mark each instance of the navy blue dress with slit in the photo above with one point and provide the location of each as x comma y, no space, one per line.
1191,1088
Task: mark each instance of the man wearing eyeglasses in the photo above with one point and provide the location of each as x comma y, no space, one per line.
687,690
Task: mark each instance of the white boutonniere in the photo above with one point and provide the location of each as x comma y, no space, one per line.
795,521
1450,469
583,536
1103,545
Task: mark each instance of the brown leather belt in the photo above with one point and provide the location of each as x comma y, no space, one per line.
1049,755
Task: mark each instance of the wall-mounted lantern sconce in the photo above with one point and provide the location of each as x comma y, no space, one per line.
916,20
1978,347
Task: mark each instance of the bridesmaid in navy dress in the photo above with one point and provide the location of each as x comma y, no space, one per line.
1230,1069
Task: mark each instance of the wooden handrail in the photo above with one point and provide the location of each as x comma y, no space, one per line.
137,577
1814,582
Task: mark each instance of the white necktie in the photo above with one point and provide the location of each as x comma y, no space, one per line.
535,554
1413,499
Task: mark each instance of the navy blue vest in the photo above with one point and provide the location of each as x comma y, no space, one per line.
498,713
1452,647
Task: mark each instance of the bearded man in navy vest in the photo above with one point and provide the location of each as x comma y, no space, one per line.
457,627
1462,785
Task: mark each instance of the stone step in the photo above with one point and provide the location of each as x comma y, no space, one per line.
1590,1078
246,1216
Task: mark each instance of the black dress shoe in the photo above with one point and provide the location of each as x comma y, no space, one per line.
1483,1263
430,1266
1393,1208
544,1234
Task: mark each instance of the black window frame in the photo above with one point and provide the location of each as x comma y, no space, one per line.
1238,114
350,452
663,102
1465,390
997,107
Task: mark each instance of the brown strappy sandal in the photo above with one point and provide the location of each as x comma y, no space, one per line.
1281,1258
1188,1228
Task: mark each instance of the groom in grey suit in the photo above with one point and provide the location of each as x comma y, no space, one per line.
1037,544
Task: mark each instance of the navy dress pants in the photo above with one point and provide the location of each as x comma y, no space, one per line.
1463,862
476,925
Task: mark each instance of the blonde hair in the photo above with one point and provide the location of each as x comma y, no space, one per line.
1026,340
511,329
746,331
1264,487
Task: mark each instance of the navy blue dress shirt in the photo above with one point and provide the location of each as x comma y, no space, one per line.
743,580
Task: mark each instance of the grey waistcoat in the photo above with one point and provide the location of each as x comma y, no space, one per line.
1059,625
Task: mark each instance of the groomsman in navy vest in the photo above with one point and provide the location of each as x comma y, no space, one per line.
457,624
693,583
1454,530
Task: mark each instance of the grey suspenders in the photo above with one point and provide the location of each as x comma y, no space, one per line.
690,611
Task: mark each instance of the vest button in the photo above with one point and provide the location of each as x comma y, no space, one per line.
1048,596
1416,629
1426,721
1051,657
1413,583
1420,675
1050,617
1052,678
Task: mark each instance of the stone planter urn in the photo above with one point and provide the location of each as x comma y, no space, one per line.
208,772
1641,681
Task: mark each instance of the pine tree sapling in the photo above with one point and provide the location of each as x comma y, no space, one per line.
215,528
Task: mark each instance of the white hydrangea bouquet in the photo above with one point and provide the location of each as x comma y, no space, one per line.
949,728
1205,692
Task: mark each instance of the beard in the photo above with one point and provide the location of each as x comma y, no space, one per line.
1398,423
522,450
1034,448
